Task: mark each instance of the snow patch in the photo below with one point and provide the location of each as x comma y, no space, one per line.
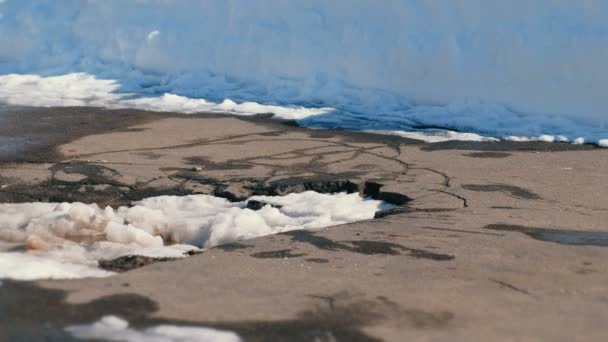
436,136
66,240
112,328
578,141
181,104
33,266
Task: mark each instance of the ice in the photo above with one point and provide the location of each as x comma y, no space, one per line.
112,328
66,240
498,69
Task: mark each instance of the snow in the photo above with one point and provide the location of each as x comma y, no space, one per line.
436,136
79,89
498,69
22,266
66,240
112,328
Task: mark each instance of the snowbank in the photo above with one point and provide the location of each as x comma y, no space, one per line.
112,328
512,68
81,89
67,240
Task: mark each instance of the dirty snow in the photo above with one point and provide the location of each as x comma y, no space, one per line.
66,240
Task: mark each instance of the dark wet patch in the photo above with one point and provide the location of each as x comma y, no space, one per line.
96,186
280,254
129,262
493,155
31,313
45,128
151,155
95,173
391,212
584,271
231,195
505,146
257,205
365,247
511,190
138,194
231,247
328,184
503,207
58,191
360,137
208,165
561,236
241,189
423,254
317,260
333,184
375,247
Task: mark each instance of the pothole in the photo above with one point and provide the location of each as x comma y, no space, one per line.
71,240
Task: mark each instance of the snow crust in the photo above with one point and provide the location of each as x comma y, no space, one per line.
112,328
512,68
66,240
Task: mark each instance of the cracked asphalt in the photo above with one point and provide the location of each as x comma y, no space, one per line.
493,241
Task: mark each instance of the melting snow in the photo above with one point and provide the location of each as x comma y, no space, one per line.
436,136
81,89
112,328
66,240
